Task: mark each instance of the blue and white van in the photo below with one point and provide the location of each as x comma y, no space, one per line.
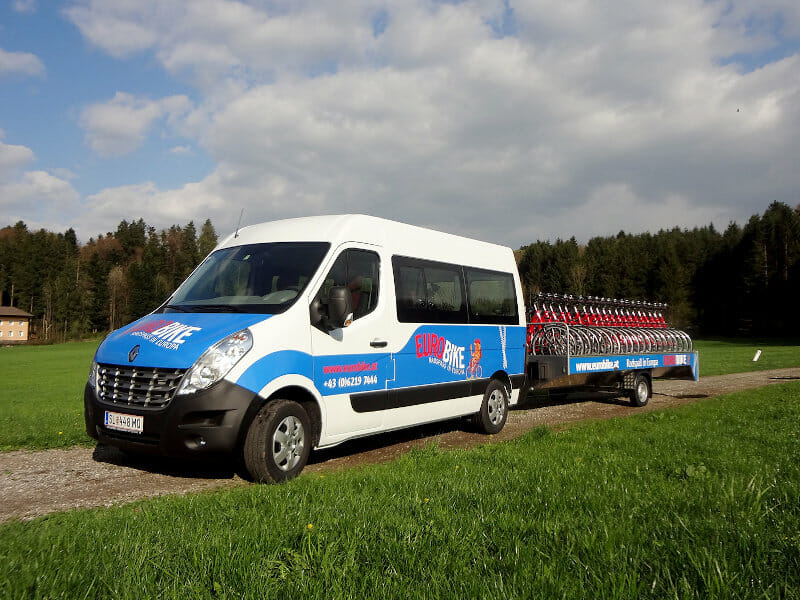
304,333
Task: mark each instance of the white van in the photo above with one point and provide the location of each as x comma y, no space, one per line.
304,333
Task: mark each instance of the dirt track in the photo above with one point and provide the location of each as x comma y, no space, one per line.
37,483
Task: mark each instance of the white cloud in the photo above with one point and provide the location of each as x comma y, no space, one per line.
618,204
24,6
209,40
113,26
159,208
64,174
41,200
119,126
12,158
587,120
758,23
23,63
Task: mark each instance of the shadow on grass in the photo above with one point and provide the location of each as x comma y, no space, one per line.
388,441
368,449
544,399
222,466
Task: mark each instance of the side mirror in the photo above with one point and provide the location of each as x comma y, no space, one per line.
340,307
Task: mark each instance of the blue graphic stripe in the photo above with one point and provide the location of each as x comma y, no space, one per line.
272,366
445,356
624,362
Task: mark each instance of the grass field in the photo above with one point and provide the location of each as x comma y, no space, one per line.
697,502
41,396
41,399
718,357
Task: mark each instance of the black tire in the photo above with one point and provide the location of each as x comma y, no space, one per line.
642,390
278,442
494,409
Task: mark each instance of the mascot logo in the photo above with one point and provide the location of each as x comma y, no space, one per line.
474,371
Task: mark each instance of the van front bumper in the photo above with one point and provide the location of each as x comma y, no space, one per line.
207,422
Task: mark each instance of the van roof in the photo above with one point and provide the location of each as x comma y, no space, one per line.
400,238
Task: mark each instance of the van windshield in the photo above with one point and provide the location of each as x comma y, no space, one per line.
254,278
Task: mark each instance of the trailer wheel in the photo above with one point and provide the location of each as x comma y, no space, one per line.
494,409
642,390
278,442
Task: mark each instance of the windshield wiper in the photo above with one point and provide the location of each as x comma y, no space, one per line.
217,308
177,307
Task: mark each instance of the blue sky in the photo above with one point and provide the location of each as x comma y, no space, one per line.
509,121
43,111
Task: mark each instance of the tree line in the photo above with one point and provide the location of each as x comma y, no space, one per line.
741,281
744,280
76,290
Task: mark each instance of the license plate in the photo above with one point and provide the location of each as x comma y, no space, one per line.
123,422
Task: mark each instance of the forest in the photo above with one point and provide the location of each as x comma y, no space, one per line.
76,290
741,281
738,282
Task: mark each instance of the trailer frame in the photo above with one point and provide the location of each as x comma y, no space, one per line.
620,372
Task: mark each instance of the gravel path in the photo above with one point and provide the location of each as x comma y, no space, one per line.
38,483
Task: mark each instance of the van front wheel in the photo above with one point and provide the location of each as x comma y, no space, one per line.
494,408
278,442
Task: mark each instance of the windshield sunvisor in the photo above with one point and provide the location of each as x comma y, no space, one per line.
171,340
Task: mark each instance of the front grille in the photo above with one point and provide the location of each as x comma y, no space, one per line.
137,386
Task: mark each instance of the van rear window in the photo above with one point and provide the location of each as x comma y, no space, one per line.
428,292
434,292
491,297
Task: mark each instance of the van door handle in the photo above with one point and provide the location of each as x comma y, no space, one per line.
376,343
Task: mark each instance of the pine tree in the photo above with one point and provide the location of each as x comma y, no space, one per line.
207,240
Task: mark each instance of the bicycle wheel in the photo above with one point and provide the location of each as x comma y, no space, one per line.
538,343
595,341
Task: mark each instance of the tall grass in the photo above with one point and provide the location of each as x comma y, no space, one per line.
697,502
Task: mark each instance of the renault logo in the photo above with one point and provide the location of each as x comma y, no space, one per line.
133,353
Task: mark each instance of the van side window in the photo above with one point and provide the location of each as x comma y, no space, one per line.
428,292
491,296
359,271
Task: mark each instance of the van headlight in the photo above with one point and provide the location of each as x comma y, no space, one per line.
216,362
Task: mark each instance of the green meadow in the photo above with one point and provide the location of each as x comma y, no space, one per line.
720,357
41,399
702,501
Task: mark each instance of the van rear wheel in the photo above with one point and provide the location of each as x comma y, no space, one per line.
494,408
278,442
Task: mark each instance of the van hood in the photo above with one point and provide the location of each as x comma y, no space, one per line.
172,340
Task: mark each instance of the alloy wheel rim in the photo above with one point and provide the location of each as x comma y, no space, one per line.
496,406
641,391
288,443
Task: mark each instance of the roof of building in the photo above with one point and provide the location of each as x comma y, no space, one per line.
13,311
